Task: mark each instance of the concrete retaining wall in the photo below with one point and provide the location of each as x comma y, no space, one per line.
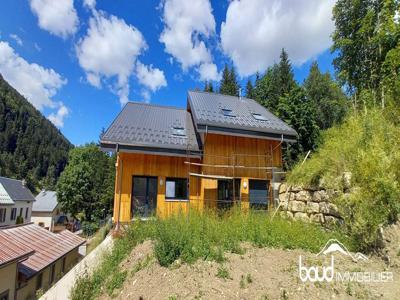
61,290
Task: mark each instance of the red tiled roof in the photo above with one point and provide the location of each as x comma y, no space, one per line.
11,250
48,246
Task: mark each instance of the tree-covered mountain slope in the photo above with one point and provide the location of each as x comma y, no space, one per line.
31,147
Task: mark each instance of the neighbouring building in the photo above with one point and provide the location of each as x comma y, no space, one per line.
11,254
46,211
15,202
51,255
219,151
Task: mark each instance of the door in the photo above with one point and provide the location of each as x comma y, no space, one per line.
258,193
226,197
144,196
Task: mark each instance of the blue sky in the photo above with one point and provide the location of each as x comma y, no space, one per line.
79,61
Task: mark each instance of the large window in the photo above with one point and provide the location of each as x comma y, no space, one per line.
52,273
26,213
176,189
3,212
13,213
258,194
39,280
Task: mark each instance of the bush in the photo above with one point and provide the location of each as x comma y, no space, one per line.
89,228
19,220
367,146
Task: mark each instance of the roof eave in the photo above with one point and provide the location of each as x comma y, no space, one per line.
130,148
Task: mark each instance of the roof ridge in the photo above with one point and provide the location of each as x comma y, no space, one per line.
157,105
219,94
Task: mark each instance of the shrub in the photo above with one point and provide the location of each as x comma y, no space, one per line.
367,146
19,220
89,228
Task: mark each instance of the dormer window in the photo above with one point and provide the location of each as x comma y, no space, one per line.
178,131
259,117
227,112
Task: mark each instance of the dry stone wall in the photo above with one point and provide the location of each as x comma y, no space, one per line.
309,204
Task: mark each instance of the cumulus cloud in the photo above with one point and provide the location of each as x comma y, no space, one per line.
89,3
255,31
208,71
59,17
150,77
186,25
17,39
58,117
110,48
36,83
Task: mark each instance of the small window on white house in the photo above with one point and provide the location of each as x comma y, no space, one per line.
26,213
259,117
227,112
178,131
3,212
13,213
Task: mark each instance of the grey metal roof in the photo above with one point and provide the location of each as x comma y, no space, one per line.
207,109
16,190
145,127
4,196
46,201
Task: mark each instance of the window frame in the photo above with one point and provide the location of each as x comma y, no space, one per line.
3,214
39,281
175,179
13,214
5,294
259,117
227,112
52,274
26,213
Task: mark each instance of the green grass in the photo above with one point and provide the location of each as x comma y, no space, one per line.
98,237
204,236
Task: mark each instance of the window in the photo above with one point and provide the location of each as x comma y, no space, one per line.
52,273
20,211
258,194
227,112
3,212
176,188
4,295
39,280
63,265
259,117
13,213
26,213
178,131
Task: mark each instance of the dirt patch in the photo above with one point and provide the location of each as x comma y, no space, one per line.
260,273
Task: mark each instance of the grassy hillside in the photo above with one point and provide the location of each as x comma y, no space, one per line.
31,147
202,237
367,146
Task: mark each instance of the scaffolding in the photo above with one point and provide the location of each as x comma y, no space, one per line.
233,168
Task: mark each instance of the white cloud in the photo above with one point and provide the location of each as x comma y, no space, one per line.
17,39
37,47
59,17
109,49
150,77
208,71
89,3
186,25
58,117
38,84
255,31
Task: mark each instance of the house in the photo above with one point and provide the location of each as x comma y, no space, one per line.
46,211
46,258
11,254
15,201
219,151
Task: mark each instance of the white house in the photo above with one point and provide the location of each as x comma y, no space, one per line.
46,211
15,202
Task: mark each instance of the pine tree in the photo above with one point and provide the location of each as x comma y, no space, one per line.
329,102
249,89
208,87
286,76
229,84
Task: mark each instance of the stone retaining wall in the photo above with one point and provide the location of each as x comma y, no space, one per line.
309,205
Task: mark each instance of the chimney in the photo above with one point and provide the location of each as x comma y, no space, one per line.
240,93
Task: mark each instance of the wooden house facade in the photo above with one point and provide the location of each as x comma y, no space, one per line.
219,151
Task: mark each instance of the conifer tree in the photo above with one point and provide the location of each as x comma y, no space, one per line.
249,90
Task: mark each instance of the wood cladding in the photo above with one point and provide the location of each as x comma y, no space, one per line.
218,150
